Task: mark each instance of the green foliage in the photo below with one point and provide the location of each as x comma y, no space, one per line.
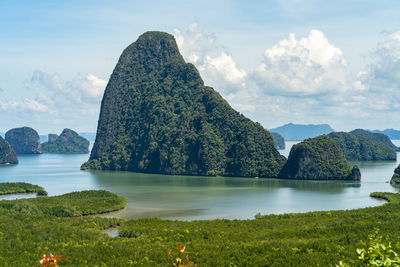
363,147
396,176
316,158
20,188
158,117
69,142
305,239
378,252
68,205
378,137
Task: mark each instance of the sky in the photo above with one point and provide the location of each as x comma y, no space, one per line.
299,61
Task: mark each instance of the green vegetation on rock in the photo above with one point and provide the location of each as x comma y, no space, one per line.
279,141
158,117
68,205
318,158
7,153
21,188
69,142
396,176
378,137
24,140
360,148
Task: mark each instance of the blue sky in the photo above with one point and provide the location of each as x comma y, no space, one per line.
333,62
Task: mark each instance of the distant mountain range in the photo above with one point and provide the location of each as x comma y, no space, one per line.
299,132
392,133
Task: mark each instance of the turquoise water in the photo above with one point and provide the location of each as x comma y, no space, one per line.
191,197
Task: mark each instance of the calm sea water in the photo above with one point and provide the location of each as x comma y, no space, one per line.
191,197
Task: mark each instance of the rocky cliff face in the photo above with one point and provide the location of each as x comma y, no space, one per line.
52,138
360,148
396,176
24,140
7,153
157,116
318,158
69,142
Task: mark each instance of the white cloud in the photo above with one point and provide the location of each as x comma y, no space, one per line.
307,66
195,45
217,67
383,72
223,67
26,104
301,80
304,80
61,103
381,79
80,89
91,86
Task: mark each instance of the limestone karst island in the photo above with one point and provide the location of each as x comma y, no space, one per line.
199,133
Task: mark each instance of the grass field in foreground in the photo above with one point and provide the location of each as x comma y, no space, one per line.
302,239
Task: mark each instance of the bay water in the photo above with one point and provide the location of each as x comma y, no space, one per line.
197,198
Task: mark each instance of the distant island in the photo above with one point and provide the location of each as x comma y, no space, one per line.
359,146
158,117
279,140
299,132
69,142
91,137
318,158
24,140
7,153
391,133
378,137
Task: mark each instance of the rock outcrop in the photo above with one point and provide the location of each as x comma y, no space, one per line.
52,138
396,176
318,158
378,137
279,141
7,153
69,142
24,140
158,117
359,148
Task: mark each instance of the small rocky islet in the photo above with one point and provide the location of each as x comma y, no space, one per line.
279,140
7,153
24,140
363,147
68,142
396,176
318,158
